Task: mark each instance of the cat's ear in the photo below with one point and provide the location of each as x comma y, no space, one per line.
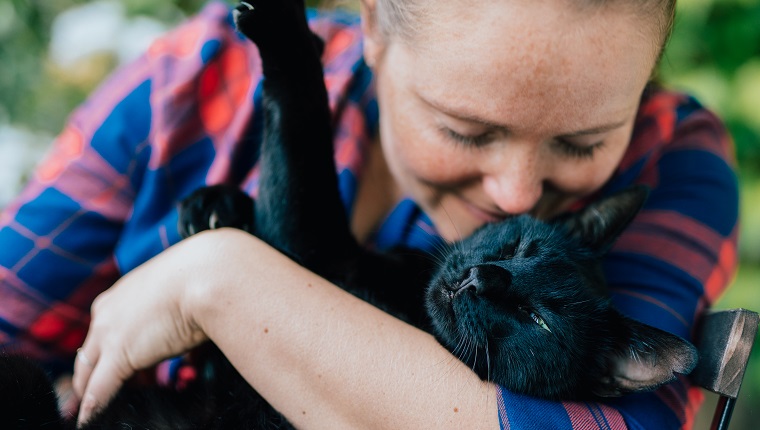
646,357
600,223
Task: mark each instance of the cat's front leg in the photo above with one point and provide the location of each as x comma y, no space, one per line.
214,207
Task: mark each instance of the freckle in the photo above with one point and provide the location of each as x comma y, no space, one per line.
266,330
456,410
319,375
309,285
303,412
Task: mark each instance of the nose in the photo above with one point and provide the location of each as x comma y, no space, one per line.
515,184
482,279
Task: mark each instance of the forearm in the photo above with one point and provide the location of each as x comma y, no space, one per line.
326,359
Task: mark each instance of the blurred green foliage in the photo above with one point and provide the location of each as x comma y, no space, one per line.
32,92
714,54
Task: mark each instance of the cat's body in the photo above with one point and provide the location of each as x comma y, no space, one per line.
521,302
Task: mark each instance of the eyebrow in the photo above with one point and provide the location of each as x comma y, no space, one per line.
465,117
596,130
474,118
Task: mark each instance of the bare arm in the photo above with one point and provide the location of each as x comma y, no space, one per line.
322,357
328,360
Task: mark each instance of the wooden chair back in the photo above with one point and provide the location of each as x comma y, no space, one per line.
724,342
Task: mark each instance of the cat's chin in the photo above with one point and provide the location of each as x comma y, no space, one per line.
470,320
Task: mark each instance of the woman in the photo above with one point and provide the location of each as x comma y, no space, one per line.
458,115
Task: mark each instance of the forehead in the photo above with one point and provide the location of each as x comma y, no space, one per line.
531,61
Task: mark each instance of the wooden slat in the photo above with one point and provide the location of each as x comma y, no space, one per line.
724,342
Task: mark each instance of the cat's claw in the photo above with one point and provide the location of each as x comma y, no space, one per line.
239,10
275,26
214,207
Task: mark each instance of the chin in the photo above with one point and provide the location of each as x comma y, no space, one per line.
454,231
453,221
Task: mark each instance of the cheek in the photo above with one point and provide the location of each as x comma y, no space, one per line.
429,161
415,149
589,176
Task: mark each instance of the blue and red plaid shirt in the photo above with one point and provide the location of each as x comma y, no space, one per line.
104,200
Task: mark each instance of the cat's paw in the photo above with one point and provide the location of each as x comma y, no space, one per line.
280,31
214,207
272,23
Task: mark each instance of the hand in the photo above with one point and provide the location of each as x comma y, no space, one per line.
141,320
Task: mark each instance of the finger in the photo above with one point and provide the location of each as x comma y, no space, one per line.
84,363
89,353
106,379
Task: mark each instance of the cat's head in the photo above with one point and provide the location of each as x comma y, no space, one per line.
524,304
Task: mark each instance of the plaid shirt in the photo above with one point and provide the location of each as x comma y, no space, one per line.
104,200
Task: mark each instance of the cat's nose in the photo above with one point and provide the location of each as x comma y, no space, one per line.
469,283
482,279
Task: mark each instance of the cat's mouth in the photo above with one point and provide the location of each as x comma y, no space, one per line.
471,302
467,314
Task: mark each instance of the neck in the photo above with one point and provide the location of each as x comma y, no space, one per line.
378,193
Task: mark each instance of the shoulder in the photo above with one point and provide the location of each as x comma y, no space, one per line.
210,35
669,121
350,90
684,153
340,29
680,251
677,142
342,57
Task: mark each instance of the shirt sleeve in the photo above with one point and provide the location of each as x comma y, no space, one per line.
67,236
671,263
57,237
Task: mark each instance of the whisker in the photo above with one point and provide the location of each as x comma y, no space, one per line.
488,362
460,346
475,360
453,224
460,354
466,348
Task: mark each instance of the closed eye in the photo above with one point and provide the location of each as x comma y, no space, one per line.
509,250
574,150
467,140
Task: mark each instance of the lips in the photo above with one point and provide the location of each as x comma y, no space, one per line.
481,214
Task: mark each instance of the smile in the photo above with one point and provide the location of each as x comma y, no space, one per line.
481,214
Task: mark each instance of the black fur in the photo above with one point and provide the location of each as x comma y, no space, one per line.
27,399
521,302
524,304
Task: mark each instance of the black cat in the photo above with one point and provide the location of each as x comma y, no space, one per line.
522,302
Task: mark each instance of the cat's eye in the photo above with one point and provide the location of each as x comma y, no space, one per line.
535,317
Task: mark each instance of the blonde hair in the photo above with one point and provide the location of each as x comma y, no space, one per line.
402,18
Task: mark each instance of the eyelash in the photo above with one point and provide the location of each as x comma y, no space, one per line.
567,148
576,151
474,141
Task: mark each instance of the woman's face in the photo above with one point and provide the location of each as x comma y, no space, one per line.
502,108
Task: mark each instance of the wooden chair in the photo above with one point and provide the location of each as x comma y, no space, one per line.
724,341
